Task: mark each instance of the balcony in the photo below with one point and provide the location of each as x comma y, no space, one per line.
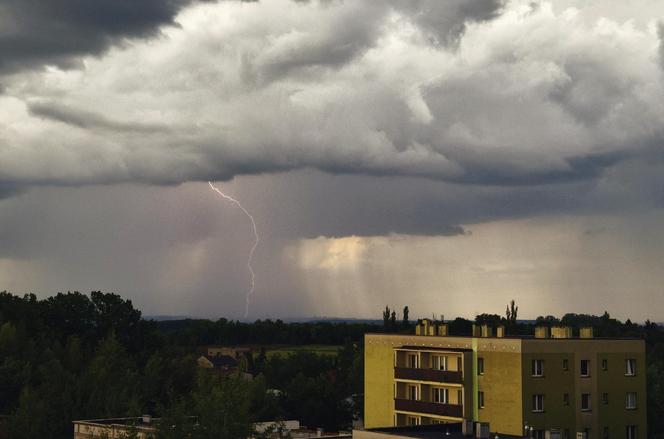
429,408
437,376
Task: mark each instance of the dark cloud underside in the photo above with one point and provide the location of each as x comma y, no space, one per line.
36,32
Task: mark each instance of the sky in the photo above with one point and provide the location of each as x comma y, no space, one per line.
449,156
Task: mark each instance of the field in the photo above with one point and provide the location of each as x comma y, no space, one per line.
331,350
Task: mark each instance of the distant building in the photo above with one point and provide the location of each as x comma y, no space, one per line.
231,351
145,428
227,360
295,430
549,386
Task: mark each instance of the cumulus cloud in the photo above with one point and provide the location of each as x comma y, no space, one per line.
525,95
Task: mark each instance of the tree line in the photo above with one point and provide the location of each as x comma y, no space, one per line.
75,356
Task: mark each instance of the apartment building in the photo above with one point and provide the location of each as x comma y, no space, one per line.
551,385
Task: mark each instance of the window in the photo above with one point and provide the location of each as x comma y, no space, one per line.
605,364
440,395
630,367
480,399
585,368
459,397
412,361
459,367
630,432
565,398
565,364
480,366
605,433
538,434
630,401
605,398
585,402
538,368
566,433
413,420
538,403
413,393
439,362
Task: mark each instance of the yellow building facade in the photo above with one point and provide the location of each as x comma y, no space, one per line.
549,387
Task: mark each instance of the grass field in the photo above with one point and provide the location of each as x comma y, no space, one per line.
315,349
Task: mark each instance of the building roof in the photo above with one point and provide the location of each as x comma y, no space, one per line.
438,431
524,337
221,361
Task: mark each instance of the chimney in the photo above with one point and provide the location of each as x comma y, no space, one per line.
561,332
541,332
441,329
586,332
500,331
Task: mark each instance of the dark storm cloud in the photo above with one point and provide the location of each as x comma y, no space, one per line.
36,32
88,119
524,97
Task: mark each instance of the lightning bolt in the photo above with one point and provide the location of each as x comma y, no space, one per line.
253,247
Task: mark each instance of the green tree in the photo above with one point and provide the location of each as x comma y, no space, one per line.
221,407
511,313
110,381
386,316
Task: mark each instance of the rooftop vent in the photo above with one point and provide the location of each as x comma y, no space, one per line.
541,332
586,332
561,332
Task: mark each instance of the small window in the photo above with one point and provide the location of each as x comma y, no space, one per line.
565,398
459,397
538,368
441,395
480,366
605,364
605,398
413,420
538,403
538,434
413,393
630,401
565,364
412,361
439,362
585,368
585,402
605,433
480,399
630,432
630,367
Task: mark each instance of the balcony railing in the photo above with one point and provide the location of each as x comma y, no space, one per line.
429,408
438,376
